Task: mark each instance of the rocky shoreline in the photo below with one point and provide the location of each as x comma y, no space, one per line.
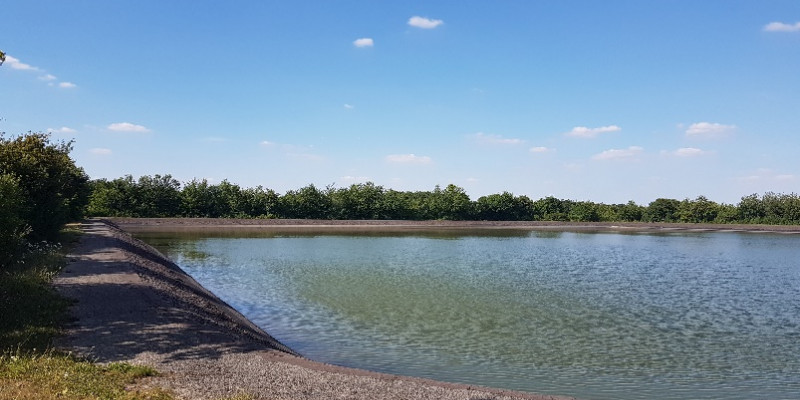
133,304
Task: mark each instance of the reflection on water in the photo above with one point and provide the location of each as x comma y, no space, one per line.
592,315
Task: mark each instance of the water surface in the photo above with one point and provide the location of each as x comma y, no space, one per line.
591,315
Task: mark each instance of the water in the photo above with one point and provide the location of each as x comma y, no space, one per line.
591,315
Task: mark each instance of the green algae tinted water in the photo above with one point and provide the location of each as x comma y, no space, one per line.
591,315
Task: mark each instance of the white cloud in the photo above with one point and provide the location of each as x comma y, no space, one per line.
127,127
408,159
100,151
266,143
619,154
67,85
541,149
688,152
483,138
584,132
709,129
63,129
766,175
424,23
363,42
47,77
15,63
782,27
349,106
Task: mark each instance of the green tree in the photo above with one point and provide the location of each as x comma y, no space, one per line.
14,230
55,190
504,207
306,203
630,211
359,201
551,209
115,198
662,210
451,203
727,214
158,196
584,211
198,200
751,209
229,200
397,205
698,210
259,202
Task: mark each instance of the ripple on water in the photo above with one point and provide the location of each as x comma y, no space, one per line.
708,315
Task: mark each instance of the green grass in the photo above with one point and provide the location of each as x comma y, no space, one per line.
53,375
32,310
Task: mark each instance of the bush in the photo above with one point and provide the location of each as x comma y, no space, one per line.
14,229
55,191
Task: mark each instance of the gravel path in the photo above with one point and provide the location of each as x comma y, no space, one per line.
132,304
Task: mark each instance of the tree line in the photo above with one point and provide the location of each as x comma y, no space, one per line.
164,196
41,189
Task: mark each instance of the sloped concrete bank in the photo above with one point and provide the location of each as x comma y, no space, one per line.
133,304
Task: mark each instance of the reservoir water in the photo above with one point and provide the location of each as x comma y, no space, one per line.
711,315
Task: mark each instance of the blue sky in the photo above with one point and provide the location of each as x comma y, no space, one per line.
606,101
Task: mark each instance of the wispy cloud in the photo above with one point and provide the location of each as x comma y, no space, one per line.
484,138
709,130
364,42
619,154
687,152
782,27
266,143
584,132
63,129
100,151
424,23
541,149
408,159
349,106
15,63
766,175
127,127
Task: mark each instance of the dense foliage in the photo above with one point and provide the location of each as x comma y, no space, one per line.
41,189
163,196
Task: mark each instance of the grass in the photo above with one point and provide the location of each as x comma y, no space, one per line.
31,314
53,375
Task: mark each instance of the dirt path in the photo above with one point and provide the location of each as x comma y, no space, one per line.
134,305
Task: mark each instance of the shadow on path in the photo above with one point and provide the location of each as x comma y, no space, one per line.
130,301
